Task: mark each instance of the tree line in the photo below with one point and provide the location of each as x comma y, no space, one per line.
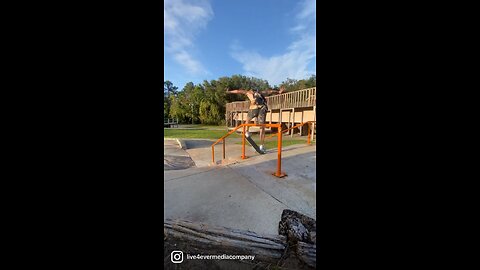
205,102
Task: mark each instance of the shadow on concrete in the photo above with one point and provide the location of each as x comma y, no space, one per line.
297,189
193,144
302,165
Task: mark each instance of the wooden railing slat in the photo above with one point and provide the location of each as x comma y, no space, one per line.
300,98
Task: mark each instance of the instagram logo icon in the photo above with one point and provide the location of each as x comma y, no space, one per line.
176,256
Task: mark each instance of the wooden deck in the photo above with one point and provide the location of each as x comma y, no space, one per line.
289,109
298,99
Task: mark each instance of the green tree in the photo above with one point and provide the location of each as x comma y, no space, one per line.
179,109
192,96
169,90
311,82
294,85
205,102
209,113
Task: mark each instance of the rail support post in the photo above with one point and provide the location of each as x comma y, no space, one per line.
223,143
243,144
213,155
279,172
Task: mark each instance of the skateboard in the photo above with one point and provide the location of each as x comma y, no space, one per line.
255,146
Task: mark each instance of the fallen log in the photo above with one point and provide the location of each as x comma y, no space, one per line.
220,240
307,253
300,231
297,227
296,240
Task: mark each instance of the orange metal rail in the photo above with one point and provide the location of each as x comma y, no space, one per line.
296,126
279,172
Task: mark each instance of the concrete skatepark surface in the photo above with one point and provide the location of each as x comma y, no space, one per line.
175,158
240,194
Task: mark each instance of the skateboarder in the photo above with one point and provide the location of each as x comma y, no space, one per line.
258,108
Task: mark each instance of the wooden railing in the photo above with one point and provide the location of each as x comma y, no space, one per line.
297,126
296,99
170,122
237,106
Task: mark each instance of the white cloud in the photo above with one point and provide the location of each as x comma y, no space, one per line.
186,59
308,10
183,19
298,56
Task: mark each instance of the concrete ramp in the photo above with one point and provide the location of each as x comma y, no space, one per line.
175,158
201,151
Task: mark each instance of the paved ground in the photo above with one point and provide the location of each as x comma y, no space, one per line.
201,151
240,194
175,158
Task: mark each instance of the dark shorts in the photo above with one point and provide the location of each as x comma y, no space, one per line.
260,113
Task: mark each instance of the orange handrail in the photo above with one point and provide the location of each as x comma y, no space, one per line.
278,173
296,126
228,134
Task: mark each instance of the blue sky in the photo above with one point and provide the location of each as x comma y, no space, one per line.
268,39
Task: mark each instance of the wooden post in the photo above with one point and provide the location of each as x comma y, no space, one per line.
308,133
280,117
314,119
271,112
293,123
289,120
301,130
265,131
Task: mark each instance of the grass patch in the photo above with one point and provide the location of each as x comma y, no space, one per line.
201,126
210,126
196,133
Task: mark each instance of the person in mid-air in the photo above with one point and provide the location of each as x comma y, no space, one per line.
258,108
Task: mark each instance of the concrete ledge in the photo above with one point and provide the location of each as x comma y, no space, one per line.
182,144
